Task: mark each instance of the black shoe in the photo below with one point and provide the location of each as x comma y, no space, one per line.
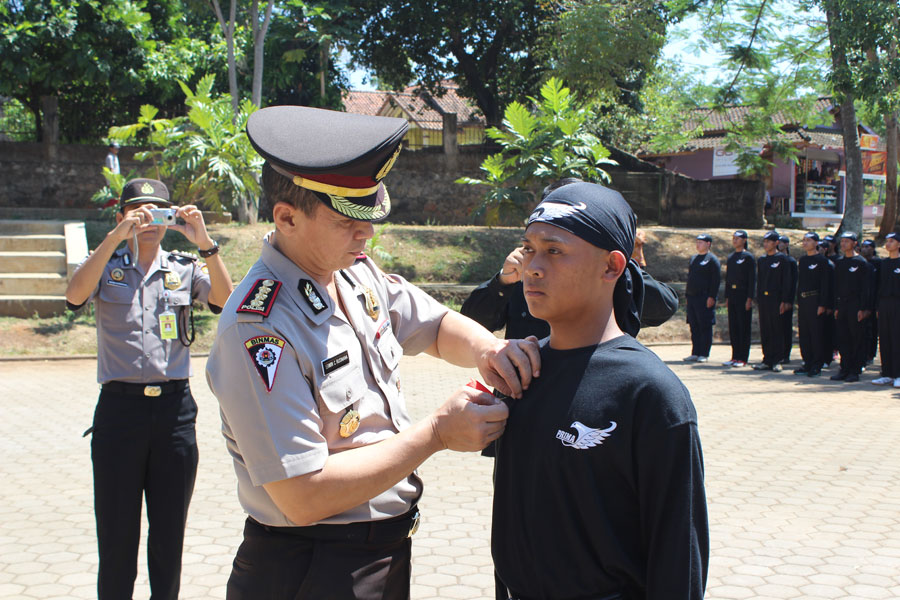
841,376
803,370
814,373
851,378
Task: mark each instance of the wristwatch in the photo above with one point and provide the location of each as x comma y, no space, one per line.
210,252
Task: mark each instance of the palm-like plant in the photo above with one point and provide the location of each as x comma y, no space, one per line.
206,154
541,145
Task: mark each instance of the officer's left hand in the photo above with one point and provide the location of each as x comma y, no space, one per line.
820,311
784,307
194,228
710,302
749,304
510,365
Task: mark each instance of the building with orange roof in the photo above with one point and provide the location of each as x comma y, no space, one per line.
812,190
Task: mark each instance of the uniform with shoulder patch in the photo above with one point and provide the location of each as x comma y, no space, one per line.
287,372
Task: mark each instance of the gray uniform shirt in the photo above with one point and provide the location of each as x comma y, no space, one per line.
128,303
286,368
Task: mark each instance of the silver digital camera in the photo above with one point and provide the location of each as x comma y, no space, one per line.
163,216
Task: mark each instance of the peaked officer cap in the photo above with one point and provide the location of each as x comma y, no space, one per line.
141,191
340,157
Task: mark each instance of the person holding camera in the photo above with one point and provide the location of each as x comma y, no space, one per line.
144,442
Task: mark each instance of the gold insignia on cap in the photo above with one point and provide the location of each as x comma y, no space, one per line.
117,274
372,307
349,423
356,211
172,280
146,188
388,165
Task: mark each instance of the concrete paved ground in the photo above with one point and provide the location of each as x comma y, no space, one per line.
803,479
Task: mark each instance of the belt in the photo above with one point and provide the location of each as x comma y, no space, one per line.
379,532
616,596
809,294
145,389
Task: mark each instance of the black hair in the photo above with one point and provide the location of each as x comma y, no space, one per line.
278,188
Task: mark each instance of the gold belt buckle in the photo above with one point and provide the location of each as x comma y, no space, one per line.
152,391
765,293
415,525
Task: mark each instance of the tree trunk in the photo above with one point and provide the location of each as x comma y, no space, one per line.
247,212
259,37
50,126
228,32
889,219
843,87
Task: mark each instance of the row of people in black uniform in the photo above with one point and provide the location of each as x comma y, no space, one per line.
845,302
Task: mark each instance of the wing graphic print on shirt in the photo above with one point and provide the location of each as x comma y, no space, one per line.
588,437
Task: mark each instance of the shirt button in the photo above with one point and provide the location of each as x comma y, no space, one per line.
349,393
147,355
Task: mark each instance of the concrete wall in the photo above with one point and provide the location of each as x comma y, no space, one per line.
421,186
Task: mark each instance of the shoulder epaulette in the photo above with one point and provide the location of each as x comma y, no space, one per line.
183,255
260,298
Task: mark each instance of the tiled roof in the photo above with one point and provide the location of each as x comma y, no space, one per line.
423,109
364,103
711,120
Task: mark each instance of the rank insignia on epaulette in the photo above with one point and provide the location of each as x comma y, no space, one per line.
181,254
261,297
309,292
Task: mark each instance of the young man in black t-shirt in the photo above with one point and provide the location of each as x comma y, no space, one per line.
599,487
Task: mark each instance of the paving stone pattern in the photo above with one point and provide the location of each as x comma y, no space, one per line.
803,479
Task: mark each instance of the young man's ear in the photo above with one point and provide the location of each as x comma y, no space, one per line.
615,265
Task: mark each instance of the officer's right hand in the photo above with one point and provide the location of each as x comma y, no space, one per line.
511,271
469,420
136,220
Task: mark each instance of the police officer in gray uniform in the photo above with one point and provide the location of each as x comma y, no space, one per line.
143,441
305,370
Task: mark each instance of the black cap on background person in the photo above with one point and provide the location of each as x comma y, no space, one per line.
142,191
771,235
344,174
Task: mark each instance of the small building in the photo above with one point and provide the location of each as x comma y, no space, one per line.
813,189
425,112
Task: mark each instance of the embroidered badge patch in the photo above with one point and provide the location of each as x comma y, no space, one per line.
265,352
587,437
261,297
117,274
309,292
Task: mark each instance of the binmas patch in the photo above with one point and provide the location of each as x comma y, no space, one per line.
265,352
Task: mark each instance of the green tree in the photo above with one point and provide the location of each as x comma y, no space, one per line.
206,153
487,47
541,144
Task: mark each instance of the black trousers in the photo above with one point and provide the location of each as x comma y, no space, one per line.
787,323
811,330
831,345
871,337
275,565
739,320
851,336
142,447
889,334
771,330
701,320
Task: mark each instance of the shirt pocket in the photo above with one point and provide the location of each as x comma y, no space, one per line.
117,294
178,298
390,349
342,389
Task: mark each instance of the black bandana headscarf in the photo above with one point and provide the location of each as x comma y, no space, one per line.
602,217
